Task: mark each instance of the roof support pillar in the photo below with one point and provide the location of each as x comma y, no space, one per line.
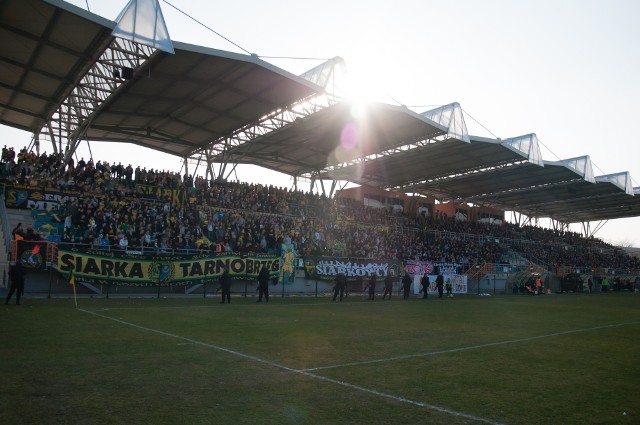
324,193
587,232
334,183
185,161
210,174
312,183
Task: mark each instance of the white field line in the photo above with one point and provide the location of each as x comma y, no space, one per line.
472,347
300,372
198,306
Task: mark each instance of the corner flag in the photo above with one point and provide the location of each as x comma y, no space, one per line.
72,282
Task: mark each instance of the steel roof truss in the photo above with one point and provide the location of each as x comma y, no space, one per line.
73,116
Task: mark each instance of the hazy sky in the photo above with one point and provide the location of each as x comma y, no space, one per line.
565,70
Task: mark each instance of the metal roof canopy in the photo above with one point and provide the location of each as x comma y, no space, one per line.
408,170
45,51
337,134
510,182
178,104
576,201
567,200
493,173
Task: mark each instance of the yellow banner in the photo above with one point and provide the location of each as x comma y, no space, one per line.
111,268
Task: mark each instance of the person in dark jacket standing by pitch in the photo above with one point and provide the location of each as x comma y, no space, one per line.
388,286
341,284
406,286
424,283
225,286
372,287
440,284
16,275
263,284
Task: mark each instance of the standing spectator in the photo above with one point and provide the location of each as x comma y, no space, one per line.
225,286
388,286
67,221
440,284
124,242
16,276
590,283
424,283
210,230
263,284
406,286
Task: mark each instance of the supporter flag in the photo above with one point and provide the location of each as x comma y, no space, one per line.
203,241
32,254
21,198
288,262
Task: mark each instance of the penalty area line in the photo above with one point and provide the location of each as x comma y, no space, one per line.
302,372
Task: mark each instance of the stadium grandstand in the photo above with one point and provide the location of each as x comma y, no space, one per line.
430,198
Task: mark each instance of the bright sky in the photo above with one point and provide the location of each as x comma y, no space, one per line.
566,70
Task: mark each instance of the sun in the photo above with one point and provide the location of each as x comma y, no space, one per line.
359,92
353,136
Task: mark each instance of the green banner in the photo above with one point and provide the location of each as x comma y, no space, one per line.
114,268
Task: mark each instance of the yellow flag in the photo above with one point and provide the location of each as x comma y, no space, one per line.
72,282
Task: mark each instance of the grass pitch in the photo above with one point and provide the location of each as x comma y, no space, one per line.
556,359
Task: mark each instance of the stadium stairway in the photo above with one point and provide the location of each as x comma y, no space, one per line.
4,256
15,216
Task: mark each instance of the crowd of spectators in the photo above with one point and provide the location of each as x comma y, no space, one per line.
109,210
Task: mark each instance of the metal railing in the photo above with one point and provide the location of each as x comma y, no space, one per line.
133,249
4,218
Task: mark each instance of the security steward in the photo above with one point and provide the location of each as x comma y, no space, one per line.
424,283
372,287
225,286
406,286
341,284
16,276
263,284
388,286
